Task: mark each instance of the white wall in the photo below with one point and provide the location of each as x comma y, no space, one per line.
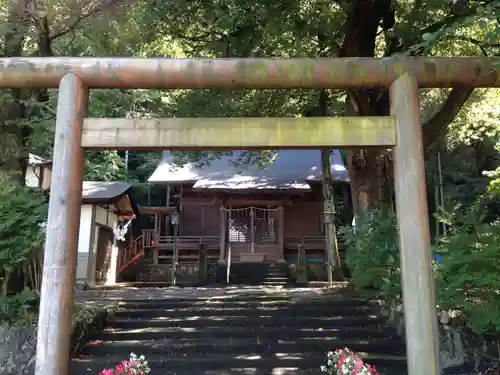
85,242
47,178
105,217
90,216
33,176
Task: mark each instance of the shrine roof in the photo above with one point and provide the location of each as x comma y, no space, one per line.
104,190
292,169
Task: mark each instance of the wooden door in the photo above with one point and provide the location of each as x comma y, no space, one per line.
240,234
103,256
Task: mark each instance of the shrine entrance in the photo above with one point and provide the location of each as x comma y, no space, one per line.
402,131
254,234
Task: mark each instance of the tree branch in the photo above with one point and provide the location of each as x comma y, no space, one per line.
82,17
448,20
479,43
440,121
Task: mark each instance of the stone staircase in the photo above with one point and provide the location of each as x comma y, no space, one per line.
242,331
259,273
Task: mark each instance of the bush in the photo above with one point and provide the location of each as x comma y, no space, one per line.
346,362
466,277
19,308
22,211
373,255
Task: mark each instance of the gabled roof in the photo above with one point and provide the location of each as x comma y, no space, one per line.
292,169
104,190
107,192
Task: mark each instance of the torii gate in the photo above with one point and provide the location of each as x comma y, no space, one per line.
402,131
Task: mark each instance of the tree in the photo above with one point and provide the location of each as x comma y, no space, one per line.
34,28
22,211
323,28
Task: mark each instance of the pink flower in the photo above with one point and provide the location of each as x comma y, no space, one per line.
134,366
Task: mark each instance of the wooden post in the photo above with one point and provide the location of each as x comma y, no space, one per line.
414,239
61,246
301,276
111,276
222,234
155,235
281,233
229,253
252,230
202,265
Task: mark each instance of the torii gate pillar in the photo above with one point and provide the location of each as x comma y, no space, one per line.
61,247
414,239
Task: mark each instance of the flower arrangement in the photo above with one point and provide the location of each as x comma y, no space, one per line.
134,366
346,362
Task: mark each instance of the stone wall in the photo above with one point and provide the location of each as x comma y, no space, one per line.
461,350
185,274
18,343
17,350
315,271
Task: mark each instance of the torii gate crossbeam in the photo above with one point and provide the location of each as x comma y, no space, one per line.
162,73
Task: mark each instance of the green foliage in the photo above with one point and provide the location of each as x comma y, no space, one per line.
19,308
104,166
494,185
373,255
22,211
467,279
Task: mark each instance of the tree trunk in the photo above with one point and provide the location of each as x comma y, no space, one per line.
13,160
332,249
15,133
334,269
370,170
365,166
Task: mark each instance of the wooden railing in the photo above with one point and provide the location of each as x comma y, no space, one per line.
148,236
309,242
187,242
131,254
186,247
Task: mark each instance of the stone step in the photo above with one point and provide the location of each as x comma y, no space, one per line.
241,311
230,333
237,301
79,369
241,330
279,277
239,347
160,364
280,271
290,321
